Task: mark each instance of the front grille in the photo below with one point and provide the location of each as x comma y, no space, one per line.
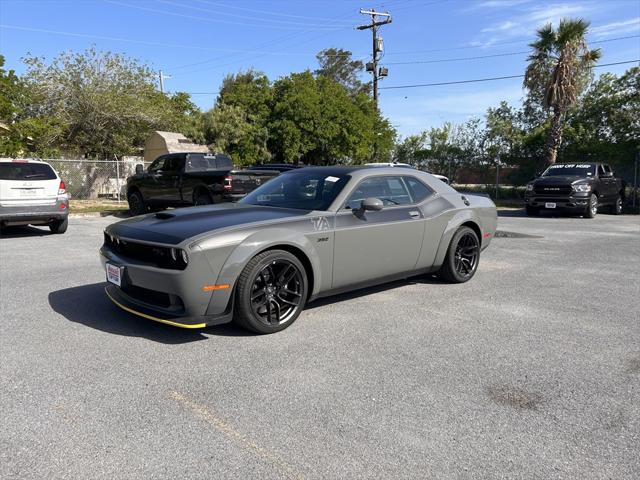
553,190
152,297
150,254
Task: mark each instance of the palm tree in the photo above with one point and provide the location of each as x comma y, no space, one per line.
558,71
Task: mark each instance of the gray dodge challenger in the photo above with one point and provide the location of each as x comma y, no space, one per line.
309,233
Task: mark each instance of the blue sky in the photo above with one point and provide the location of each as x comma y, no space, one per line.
197,42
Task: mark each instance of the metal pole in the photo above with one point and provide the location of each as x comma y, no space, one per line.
117,178
497,178
635,179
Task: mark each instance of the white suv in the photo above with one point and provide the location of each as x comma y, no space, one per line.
32,193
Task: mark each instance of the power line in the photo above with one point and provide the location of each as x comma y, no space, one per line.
260,20
505,77
266,12
489,79
442,60
213,20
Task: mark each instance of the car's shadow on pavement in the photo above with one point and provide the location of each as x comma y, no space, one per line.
363,292
89,305
26,231
512,213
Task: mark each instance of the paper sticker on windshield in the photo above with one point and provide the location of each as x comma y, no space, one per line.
331,179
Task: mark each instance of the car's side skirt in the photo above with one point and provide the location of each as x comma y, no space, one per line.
372,283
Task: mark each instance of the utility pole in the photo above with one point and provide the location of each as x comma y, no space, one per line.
162,78
377,47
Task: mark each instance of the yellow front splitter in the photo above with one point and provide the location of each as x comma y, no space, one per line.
151,317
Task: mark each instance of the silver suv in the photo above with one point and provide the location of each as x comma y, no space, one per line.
32,193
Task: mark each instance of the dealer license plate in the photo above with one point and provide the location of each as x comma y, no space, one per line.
28,192
114,274
549,205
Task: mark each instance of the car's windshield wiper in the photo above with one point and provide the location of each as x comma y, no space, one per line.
34,175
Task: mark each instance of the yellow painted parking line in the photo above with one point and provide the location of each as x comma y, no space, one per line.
241,439
150,317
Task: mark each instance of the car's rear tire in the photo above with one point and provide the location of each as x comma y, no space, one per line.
592,209
59,226
203,198
463,257
616,208
532,211
271,292
136,204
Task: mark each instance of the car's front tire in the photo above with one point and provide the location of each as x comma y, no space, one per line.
271,292
592,209
59,226
463,257
136,204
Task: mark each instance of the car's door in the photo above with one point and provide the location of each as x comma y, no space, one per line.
375,244
170,180
612,189
606,184
149,182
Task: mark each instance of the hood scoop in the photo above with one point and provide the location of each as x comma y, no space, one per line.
164,215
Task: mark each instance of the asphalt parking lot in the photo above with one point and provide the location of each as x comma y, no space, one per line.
531,370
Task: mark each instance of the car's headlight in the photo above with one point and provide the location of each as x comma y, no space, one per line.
529,187
581,187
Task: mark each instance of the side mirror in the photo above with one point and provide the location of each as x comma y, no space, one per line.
139,169
371,204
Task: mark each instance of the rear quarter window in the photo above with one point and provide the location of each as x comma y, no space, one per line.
26,171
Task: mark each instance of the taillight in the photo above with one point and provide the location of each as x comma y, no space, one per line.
228,183
62,189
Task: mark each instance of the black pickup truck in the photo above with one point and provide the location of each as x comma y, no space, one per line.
183,179
577,187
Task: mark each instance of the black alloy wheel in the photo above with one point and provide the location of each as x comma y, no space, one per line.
463,257
136,204
592,208
272,292
616,208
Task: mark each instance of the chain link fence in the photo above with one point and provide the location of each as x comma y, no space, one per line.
96,179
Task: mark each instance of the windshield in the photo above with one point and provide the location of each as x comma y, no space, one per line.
26,171
570,170
301,190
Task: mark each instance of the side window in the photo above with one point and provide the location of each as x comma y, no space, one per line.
157,165
390,190
607,169
419,191
173,164
600,170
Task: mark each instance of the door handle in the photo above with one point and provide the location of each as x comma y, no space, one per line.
414,214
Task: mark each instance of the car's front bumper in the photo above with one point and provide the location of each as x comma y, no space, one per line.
173,297
41,214
575,201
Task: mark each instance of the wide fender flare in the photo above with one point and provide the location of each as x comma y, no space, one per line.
266,239
460,217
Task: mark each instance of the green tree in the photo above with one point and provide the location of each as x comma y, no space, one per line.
338,65
409,149
105,104
228,129
558,71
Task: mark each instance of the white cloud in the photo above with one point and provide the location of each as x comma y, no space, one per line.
502,27
501,3
416,112
530,18
617,28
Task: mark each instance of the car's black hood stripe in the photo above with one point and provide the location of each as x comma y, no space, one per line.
189,222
